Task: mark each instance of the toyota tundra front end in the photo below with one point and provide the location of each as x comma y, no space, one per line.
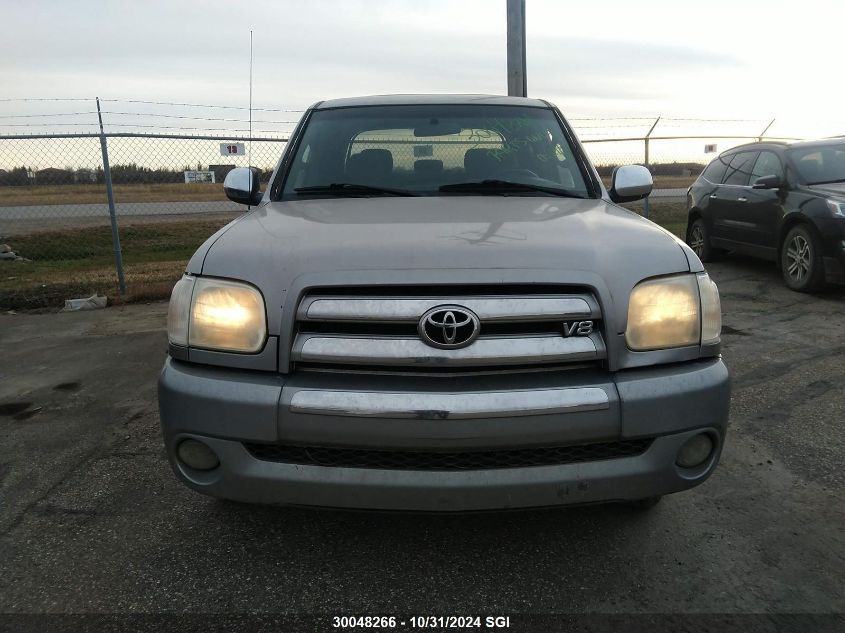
437,305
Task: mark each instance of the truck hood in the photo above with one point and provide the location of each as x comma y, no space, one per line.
593,241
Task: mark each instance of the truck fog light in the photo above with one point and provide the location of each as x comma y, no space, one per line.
695,451
197,455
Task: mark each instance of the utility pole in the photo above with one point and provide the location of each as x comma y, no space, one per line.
517,78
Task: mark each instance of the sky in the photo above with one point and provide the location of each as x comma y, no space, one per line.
753,61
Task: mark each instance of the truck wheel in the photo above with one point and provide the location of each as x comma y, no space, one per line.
801,260
698,239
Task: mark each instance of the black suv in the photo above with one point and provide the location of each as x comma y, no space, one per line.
782,202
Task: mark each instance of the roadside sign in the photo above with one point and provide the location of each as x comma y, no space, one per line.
199,176
232,149
710,149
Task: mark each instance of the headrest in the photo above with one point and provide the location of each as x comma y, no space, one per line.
479,163
368,164
428,167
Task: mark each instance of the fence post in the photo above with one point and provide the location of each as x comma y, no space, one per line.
646,140
115,234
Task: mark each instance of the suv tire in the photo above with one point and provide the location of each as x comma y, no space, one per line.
801,261
698,239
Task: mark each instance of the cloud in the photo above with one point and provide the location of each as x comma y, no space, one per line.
615,59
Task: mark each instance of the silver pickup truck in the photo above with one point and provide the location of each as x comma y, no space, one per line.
436,305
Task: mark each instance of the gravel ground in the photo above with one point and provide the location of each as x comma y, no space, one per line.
93,521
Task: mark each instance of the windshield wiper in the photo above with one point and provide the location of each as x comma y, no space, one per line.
505,186
826,182
348,188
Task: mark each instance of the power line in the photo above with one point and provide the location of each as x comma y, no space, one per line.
36,116
613,118
148,102
47,99
715,120
140,125
605,127
199,105
42,124
193,118
652,118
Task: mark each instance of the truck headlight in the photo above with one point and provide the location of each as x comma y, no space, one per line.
216,314
673,311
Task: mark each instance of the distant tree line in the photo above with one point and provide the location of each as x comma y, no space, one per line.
659,169
130,173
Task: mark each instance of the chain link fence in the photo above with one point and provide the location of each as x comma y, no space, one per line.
56,239
55,221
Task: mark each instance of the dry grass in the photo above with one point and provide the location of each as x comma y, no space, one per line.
79,262
96,193
672,216
173,192
673,182
663,182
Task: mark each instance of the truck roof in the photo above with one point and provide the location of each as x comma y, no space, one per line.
429,99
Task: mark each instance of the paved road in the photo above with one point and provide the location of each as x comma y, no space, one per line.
67,211
679,194
92,519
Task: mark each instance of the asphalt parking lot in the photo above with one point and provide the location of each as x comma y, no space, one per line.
93,520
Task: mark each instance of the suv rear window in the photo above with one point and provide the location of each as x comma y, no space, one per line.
420,148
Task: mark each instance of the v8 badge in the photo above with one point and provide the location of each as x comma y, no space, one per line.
577,328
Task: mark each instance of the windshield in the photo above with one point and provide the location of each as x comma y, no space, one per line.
422,149
818,165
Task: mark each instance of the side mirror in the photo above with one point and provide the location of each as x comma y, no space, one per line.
241,185
630,183
768,182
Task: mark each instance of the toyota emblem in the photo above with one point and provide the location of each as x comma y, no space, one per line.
449,327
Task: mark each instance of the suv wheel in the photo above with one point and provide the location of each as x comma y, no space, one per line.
801,261
699,241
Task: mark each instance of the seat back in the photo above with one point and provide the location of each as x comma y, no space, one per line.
428,168
480,164
369,166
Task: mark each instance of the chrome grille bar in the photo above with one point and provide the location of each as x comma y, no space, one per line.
490,351
488,309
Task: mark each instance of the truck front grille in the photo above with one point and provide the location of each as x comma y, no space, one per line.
466,460
379,328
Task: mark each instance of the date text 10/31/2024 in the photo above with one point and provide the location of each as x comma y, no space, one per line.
422,622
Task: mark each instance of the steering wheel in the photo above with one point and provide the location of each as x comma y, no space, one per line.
517,173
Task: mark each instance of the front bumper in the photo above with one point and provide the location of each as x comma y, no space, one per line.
228,408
